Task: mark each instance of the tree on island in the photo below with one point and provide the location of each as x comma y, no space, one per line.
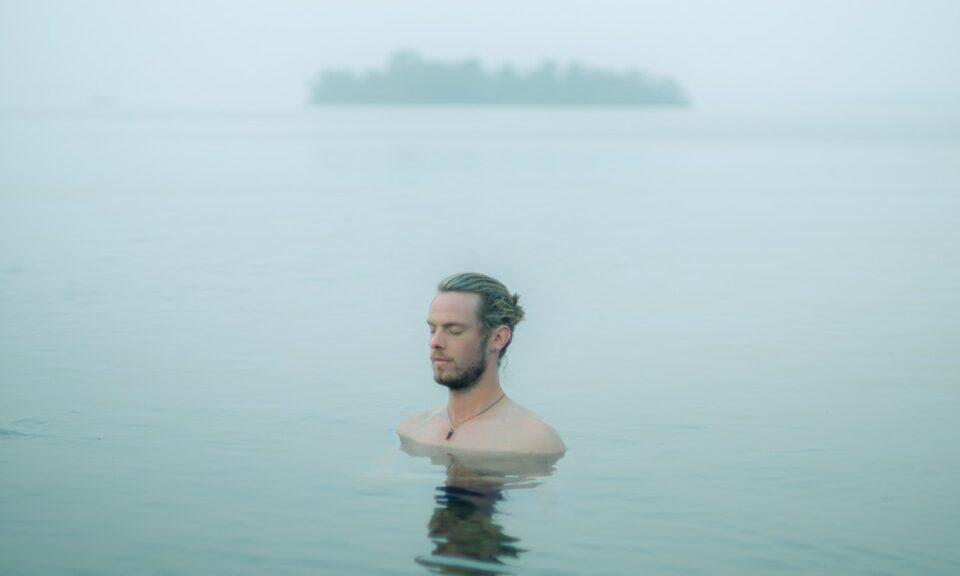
410,79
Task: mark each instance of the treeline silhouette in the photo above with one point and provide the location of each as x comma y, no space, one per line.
410,79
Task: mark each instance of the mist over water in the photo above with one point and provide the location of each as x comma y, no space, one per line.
743,326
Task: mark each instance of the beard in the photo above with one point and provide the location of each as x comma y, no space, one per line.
466,377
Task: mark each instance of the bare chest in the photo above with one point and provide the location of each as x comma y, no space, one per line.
482,434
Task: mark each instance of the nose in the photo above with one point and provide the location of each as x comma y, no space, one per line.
436,340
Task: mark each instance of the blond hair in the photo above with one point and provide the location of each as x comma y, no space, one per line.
498,307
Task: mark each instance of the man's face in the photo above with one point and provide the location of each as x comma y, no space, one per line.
457,341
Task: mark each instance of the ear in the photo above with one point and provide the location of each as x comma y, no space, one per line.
501,337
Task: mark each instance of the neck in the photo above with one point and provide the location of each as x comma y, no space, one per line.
463,404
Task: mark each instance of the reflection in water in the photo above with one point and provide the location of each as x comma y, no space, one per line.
462,527
466,537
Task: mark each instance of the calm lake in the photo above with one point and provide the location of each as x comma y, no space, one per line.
745,327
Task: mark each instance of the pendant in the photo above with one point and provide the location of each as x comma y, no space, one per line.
450,434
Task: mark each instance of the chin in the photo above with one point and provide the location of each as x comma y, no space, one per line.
457,383
459,380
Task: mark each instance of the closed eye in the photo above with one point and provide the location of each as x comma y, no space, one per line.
452,329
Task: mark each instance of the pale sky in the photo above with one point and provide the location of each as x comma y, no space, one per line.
245,54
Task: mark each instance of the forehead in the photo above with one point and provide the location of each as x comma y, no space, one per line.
454,308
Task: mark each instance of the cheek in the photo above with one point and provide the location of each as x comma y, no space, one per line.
459,350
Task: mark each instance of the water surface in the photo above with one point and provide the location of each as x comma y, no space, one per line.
744,327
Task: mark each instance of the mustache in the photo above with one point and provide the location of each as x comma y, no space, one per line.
439,357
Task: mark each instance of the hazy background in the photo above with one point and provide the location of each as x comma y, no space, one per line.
241,54
742,317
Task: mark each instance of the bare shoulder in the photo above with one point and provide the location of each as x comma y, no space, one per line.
539,437
414,422
544,439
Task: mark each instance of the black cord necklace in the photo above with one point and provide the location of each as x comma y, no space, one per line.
454,427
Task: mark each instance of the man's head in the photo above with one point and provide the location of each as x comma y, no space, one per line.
471,321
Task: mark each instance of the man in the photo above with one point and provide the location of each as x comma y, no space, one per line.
471,320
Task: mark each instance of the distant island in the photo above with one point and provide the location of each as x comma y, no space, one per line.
409,79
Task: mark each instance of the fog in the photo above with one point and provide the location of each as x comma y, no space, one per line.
245,55
740,315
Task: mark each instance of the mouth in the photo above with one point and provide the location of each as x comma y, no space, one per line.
438,361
